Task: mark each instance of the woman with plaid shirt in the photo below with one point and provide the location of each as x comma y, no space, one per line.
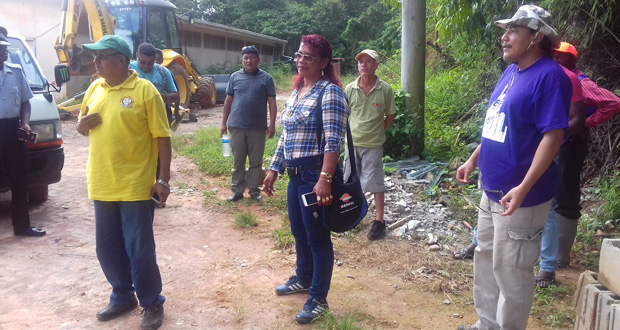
311,168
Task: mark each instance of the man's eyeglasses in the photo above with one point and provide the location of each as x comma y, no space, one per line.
103,57
146,63
305,57
477,205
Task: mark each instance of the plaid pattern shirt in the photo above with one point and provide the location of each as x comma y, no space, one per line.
300,127
607,104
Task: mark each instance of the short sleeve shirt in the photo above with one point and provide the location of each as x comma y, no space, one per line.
14,90
250,91
368,113
519,114
122,156
156,77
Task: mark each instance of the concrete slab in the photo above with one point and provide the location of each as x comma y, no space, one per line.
609,267
586,317
606,299
586,278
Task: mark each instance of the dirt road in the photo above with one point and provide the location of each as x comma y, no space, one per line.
215,276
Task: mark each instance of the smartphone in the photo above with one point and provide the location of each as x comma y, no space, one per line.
309,199
25,136
155,198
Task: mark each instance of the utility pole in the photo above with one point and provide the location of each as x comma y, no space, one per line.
413,66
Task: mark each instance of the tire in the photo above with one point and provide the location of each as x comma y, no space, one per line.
37,194
206,92
179,73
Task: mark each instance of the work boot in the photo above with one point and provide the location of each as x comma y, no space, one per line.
567,231
153,317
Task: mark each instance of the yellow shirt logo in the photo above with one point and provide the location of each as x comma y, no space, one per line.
127,102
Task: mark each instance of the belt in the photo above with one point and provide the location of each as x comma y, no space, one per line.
294,170
9,122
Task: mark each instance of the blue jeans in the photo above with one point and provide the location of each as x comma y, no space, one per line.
313,242
549,247
126,251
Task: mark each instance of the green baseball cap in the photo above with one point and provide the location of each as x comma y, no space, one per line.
110,42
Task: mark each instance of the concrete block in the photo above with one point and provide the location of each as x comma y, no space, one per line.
586,278
606,299
586,317
609,267
614,318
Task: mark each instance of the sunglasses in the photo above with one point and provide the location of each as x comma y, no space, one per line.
477,205
249,48
305,57
103,57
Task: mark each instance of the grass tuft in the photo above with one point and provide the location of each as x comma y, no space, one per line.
245,220
330,321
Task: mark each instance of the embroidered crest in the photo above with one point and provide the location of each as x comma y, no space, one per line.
127,102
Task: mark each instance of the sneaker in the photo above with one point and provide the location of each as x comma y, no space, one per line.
153,317
377,231
293,285
257,198
313,309
235,198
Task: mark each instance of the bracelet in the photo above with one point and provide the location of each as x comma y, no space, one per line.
327,175
163,183
326,180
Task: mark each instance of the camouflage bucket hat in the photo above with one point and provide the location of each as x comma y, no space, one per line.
535,18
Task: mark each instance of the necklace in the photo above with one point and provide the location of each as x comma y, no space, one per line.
512,79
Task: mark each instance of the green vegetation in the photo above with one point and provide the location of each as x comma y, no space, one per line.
245,220
283,238
554,305
330,321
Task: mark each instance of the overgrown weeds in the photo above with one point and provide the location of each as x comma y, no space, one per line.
330,321
554,305
245,220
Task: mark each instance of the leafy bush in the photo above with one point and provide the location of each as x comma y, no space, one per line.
399,135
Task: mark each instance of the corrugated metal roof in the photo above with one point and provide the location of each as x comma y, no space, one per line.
231,30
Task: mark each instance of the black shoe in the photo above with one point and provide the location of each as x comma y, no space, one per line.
377,231
30,231
113,311
293,285
313,309
235,198
256,198
153,317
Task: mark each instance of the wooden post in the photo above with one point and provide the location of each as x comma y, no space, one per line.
413,66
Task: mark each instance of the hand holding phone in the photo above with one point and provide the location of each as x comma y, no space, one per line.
26,136
309,199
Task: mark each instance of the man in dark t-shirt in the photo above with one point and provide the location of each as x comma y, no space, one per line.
523,130
245,117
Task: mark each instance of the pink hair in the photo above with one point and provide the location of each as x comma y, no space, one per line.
322,46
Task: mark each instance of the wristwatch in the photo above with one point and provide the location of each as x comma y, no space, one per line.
163,183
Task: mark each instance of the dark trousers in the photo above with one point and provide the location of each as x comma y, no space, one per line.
126,251
14,157
570,160
313,243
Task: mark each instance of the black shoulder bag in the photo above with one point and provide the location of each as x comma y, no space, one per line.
349,205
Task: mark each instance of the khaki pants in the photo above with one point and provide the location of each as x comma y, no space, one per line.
508,249
246,144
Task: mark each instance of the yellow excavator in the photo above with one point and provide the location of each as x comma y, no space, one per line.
137,21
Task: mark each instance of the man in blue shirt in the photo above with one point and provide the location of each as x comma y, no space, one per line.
157,74
523,130
14,118
245,116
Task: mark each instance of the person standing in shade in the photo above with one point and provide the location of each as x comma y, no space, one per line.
245,117
371,102
15,116
523,130
124,118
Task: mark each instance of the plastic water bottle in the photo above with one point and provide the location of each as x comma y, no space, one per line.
225,145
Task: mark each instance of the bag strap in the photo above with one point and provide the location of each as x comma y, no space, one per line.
319,134
162,72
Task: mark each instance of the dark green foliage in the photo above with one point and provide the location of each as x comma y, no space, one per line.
400,134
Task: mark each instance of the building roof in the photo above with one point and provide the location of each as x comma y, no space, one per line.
230,30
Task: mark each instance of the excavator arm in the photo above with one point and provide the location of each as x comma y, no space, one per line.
101,23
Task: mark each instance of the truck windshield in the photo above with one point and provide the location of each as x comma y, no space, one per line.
129,25
20,54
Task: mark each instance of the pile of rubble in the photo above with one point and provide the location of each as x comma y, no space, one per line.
410,217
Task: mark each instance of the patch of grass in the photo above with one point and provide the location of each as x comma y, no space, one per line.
586,247
239,313
245,220
278,201
183,185
283,238
330,321
554,307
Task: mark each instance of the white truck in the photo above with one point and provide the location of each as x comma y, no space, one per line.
46,155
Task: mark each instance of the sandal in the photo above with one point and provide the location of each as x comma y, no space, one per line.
545,279
464,253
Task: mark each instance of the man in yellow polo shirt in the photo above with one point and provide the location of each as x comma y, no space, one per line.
125,120
371,101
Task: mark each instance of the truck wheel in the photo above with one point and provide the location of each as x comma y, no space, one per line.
179,73
206,92
38,194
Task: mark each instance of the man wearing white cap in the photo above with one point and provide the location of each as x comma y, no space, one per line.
523,130
371,102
